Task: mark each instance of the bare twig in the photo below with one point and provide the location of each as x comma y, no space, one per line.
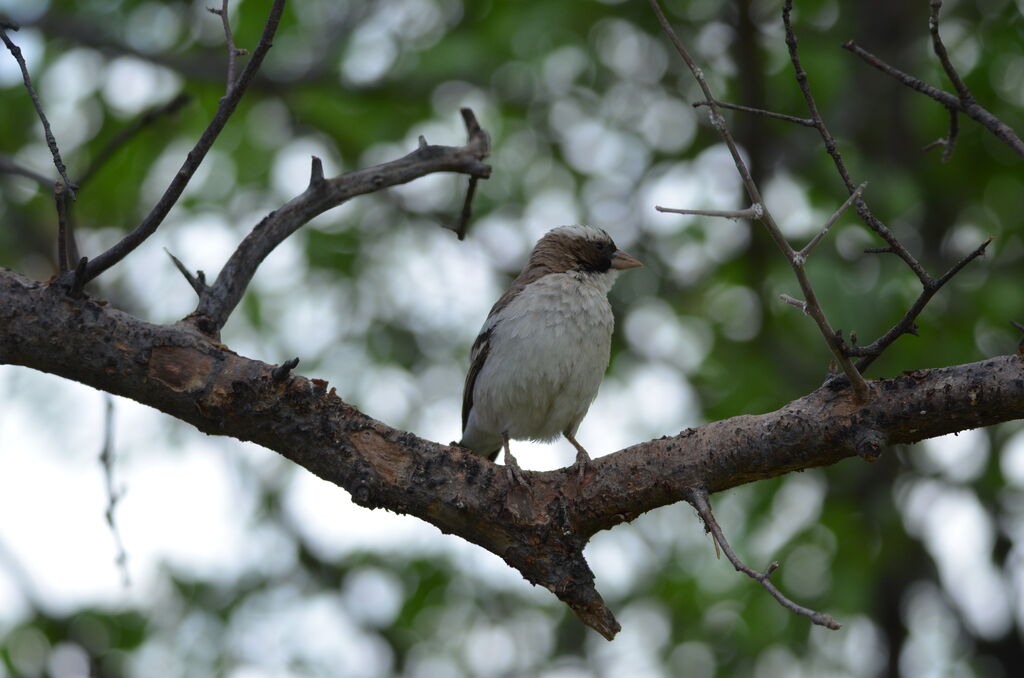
754,212
698,498
9,166
50,140
793,301
906,325
233,51
857,383
806,122
121,138
935,6
948,143
806,251
67,249
224,110
113,495
197,281
964,103
220,299
929,285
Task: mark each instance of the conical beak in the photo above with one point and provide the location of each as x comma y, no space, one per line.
621,261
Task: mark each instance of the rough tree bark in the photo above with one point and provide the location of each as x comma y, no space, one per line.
180,371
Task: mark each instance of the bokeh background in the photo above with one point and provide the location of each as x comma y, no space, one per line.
242,565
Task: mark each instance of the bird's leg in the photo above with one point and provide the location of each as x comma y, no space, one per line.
582,458
511,464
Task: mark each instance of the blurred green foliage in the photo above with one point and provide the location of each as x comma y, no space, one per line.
589,112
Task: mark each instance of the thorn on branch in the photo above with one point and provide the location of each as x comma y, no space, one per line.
316,173
198,281
698,498
281,372
78,279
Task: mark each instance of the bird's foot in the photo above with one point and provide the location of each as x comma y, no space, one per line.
579,467
515,473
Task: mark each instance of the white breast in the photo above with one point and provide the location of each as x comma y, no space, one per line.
548,353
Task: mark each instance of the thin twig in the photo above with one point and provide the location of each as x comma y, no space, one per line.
9,166
968,107
860,388
121,138
806,251
50,140
113,495
806,122
467,210
906,324
67,249
698,498
233,51
224,110
943,55
948,143
753,212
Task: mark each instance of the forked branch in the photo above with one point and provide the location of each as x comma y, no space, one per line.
698,498
219,299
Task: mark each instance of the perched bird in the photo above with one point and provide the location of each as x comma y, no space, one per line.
543,350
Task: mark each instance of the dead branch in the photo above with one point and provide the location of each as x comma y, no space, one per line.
50,140
963,101
192,161
796,261
219,299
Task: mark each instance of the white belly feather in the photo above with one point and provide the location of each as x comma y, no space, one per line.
546,360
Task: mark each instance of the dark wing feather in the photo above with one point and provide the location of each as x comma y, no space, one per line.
477,357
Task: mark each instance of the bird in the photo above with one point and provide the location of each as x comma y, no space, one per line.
541,354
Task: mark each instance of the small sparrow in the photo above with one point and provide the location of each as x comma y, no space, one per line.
543,350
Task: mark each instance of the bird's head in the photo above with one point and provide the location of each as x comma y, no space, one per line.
579,248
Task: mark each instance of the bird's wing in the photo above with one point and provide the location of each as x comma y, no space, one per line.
477,357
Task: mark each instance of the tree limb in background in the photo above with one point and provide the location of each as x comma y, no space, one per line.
119,140
50,140
192,161
962,102
796,261
193,378
219,299
929,284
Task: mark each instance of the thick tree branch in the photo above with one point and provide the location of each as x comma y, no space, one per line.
219,299
191,377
